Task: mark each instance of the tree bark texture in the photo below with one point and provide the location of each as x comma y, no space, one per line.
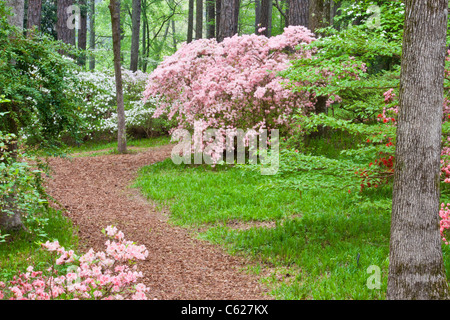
34,14
266,17
115,24
416,269
92,33
17,10
298,13
319,14
210,19
228,20
190,29
65,32
198,19
136,28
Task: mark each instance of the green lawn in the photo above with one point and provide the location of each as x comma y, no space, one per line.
22,249
320,244
319,241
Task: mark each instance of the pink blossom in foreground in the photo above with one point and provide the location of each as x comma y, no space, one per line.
95,275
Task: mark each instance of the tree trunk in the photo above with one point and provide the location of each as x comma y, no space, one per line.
115,25
416,269
65,31
92,34
298,13
174,38
218,8
136,28
17,9
34,14
228,20
144,35
319,14
237,5
82,32
210,19
199,19
257,15
266,17
190,28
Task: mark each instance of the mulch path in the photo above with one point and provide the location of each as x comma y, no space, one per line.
95,191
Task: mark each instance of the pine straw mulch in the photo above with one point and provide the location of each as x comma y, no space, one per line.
95,192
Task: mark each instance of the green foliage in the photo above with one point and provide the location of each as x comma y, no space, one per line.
21,188
22,249
34,78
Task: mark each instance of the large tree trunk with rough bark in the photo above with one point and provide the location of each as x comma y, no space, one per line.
298,13
65,26
228,20
319,14
416,269
115,25
17,10
266,17
34,14
136,28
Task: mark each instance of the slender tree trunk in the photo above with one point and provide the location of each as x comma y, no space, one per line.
210,19
228,20
136,27
190,28
34,14
115,24
266,17
92,34
218,8
416,269
82,32
174,38
64,28
299,13
257,15
237,6
144,35
199,19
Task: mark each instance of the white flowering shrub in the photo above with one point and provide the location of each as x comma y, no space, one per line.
98,108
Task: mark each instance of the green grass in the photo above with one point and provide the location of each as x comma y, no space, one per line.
105,147
22,248
323,242
322,234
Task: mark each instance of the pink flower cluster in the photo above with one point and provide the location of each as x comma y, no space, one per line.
94,275
230,85
444,213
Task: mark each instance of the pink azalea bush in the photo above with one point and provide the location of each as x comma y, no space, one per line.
230,85
104,275
444,214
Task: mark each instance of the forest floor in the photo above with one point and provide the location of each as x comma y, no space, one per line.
96,192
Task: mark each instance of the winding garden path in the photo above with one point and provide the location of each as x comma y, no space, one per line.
95,191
